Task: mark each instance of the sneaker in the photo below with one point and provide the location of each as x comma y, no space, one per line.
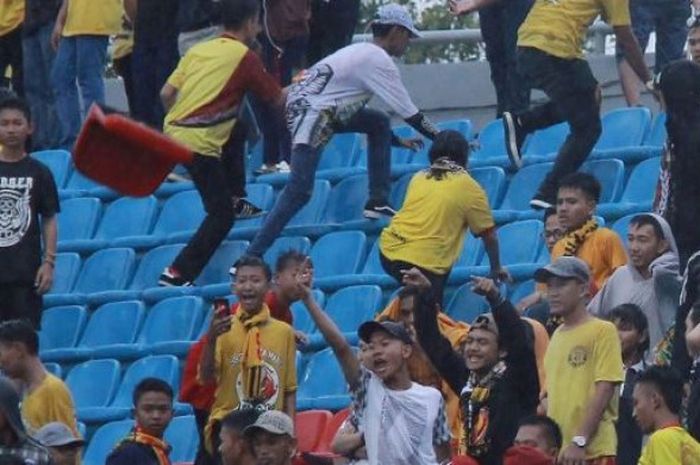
375,210
245,210
515,137
170,277
283,167
538,203
266,169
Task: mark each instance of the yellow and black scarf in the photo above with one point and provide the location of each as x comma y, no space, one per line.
574,240
160,448
252,351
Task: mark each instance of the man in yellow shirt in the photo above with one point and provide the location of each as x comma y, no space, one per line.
46,398
11,19
250,356
550,57
583,365
658,397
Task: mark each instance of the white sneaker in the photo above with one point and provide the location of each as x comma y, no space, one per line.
283,167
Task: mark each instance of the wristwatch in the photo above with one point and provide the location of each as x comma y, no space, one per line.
579,441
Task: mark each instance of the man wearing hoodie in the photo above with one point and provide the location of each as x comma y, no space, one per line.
14,441
650,280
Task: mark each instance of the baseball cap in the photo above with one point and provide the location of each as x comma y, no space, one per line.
485,321
272,421
392,328
57,434
564,267
395,14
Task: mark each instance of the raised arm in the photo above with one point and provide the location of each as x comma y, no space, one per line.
220,324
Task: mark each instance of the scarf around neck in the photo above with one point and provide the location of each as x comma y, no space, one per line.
575,239
160,448
252,350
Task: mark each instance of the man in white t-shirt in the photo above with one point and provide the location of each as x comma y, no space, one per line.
330,99
402,422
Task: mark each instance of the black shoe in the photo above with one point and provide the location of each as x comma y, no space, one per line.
515,136
245,210
539,203
170,277
375,210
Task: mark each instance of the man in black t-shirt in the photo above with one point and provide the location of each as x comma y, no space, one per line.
28,207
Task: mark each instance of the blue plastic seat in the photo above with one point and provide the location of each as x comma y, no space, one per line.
77,221
164,367
463,126
543,145
623,129
639,192
285,244
349,308
111,324
83,379
58,162
183,438
656,137
65,274
337,253
465,305
104,270
54,368
81,186
522,290
261,195
398,190
492,147
306,220
372,273
104,440
124,217
493,180
301,319
611,176
322,385
521,189
61,327
150,267
171,327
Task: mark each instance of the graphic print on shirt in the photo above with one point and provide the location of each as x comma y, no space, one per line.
269,387
403,422
578,356
15,211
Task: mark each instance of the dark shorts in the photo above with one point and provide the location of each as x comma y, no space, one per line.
20,301
557,77
665,17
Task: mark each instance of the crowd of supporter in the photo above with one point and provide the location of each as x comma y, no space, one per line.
600,365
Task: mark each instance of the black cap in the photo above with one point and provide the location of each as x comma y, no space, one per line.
393,329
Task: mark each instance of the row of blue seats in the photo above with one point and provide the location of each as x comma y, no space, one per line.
130,222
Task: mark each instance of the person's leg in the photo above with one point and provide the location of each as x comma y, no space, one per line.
143,72
642,14
292,58
201,417
123,68
491,20
216,442
295,195
377,126
51,129
395,269
209,179
671,32
63,76
14,39
518,91
34,89
21,302
92,58
267,116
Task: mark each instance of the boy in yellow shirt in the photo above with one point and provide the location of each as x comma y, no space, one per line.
658,396
46,398
250,356
583,365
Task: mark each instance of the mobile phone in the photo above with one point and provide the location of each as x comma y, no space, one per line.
220,307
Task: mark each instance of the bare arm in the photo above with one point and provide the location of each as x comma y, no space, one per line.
632,53
168,96
130,8
44,275
290,403
207,361
692,336
347,440
490,239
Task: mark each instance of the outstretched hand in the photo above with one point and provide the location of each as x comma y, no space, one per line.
486,287
463,7
412,143
414,278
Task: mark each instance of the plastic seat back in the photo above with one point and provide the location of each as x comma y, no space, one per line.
61,327
322,377
610,174
152,265
114,323
54,368
183,437
348,199
642,181
181,212
493,180
342,151
491,141
523,186
174,319
465,305
472,251
107,269
338,253
624,127
657,134
398,190
83,379
58,162
302,319
78,218
128,216
104,440
546,141
373,264
164,367
309,426
353,305
519,242
65,272
217,269
332,428
262,195
315,209
284,244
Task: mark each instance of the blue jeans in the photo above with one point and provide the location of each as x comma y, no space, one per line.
80,62
38,61
151,65
305,160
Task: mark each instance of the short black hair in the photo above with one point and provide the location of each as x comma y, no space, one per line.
288,258
238,420
668,382
20,331
12,102
450,144
549,212
152,385
586,183
234,13
633,315
648,220
550,427
382,30
254,262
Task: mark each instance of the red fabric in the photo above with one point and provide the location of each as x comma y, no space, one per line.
602,461
201,397
526,455
463,460
310,426
127,156
331,429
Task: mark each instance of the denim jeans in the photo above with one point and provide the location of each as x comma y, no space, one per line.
151,65
305,160
219,181
11,55
572,92
668,19
38,61
80,63
499,25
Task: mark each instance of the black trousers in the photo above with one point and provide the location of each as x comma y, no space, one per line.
572,92
394,268
11,55
20,302
220,182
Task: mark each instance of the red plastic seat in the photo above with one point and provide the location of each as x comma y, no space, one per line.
331,428
310,427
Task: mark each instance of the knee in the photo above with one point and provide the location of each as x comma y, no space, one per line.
588,126
380,124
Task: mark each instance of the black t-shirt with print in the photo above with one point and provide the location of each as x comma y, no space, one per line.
27,191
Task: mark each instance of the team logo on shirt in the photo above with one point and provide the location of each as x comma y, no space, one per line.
578,356
15,211
269,387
